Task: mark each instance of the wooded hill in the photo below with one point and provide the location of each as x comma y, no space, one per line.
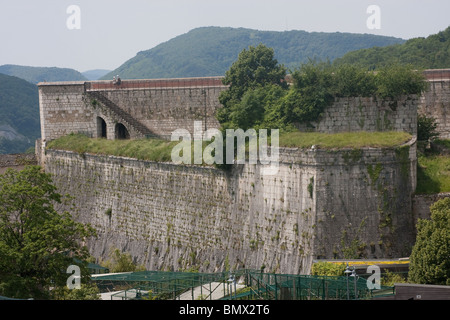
432,52
210,51
19,114
41,74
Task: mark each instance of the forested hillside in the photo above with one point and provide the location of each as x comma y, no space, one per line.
210,51
41,74
19,114
432,52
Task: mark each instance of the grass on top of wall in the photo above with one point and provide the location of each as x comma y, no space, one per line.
160,150
145,149
355,140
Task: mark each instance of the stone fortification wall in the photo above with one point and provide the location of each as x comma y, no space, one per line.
63,110
435,102
369,114
321,204
158,107
144,107
163,110
16,161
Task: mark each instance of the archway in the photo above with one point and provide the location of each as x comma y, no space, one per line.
121,132
101,128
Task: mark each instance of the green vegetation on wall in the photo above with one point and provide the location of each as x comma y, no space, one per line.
259,98
159,150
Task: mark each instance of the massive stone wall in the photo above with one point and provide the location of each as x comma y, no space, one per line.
435,102
158,107
63,110
321,204
144,107
163,110
368,114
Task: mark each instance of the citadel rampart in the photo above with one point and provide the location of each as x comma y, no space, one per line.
435,102
143,107
321,204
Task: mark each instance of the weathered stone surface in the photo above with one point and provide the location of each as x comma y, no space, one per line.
175,217
435,102
321,204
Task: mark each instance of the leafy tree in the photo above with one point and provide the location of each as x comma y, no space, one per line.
87,291
37,244
327,269
254,68
396,80
311,93
259,96
352,81
121,262
429,260
426,128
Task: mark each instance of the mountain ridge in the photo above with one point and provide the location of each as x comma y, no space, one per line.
19,120
41,74
210,51
432,52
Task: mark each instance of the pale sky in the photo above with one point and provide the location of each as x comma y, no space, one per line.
35,32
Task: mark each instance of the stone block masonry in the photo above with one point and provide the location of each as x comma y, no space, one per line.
144,107
369,114
158,107
321,204
435,102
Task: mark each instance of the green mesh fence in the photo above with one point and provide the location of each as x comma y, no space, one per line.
240,284
303,287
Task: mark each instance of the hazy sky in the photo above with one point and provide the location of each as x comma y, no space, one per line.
35,32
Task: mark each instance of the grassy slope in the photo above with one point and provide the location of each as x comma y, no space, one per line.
433,171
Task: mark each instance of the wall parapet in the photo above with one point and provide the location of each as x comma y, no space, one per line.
155,83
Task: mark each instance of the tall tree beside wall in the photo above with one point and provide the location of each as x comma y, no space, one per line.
429,260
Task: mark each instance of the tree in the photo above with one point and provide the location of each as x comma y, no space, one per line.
121,262
254,68
396,80
429,260
426,128
37,244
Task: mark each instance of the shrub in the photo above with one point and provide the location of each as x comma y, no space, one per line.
426,128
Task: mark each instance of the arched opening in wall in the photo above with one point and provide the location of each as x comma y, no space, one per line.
101,128
121,132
